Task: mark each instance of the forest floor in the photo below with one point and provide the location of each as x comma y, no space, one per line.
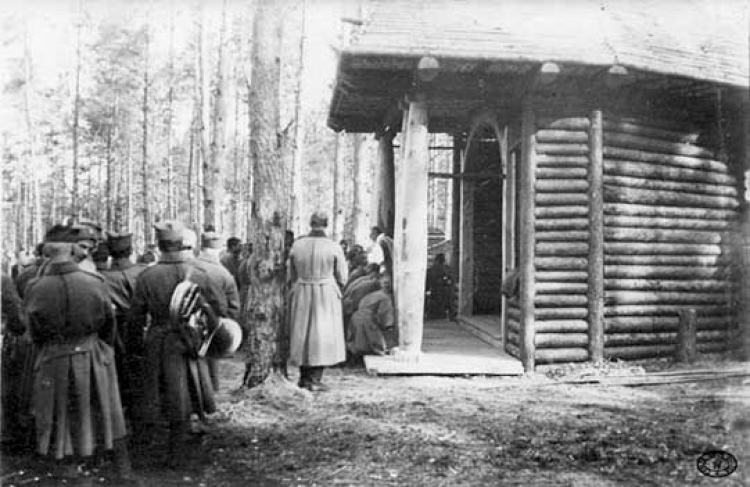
450,431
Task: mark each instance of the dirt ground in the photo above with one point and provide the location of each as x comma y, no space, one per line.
448,431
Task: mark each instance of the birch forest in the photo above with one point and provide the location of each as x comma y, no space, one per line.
213,113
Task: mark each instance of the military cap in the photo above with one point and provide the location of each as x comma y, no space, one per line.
94,227
170,231
83,232
58,234
211,240
119,242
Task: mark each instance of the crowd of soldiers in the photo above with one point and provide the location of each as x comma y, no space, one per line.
101,353
93,359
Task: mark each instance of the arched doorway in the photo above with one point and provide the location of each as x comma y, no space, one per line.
483,220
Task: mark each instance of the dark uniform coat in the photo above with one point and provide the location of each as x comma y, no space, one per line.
75,399
223,286
16,354
121,277
176,383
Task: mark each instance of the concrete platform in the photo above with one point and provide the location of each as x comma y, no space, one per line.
448,349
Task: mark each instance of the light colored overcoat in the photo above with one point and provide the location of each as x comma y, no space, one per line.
318,268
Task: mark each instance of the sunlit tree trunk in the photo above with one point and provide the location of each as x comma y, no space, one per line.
144,155
170,213
268,340
74,209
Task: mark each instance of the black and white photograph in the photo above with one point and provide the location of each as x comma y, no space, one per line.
375,243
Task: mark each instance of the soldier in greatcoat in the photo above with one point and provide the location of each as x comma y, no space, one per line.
317,269
121,277
176,382
222,284
14,351
75,401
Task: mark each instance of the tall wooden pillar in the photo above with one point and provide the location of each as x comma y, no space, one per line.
458,147
385,181
528,238
595,293
410,235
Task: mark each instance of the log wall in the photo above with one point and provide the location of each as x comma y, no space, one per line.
562,240
669,205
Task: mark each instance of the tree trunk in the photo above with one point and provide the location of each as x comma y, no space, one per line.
265,311
36,233
299,131
171,213
144,155
76,105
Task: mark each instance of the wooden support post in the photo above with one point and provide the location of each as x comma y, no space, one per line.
528,236
686,337
385,182
458,147
466,239
595,294
410,236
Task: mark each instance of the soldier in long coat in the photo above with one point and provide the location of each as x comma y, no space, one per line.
14,352
121,277
176,382
222,284
76,401
318,269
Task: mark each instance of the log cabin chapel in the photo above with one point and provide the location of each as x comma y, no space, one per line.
600,154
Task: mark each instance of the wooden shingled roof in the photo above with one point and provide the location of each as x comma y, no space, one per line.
702,42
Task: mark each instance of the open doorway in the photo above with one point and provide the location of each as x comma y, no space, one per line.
483,227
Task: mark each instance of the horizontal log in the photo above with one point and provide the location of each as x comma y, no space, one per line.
665,235
687,162
561,313
649,170
560,300
655,351
561,185
561,326
566,276
514,337
572,123
664,338
658,248
561,173
513,326
561,199
619,194
643,143
563,149
562,248
553,224
562,161
632,209
671,123
667,285
663,297
665,309
561,287
554,136
635,324
678,186
561,340
700,261
562,236
561,211
560,263
512,350
651,132
557,355
663,272
677,223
